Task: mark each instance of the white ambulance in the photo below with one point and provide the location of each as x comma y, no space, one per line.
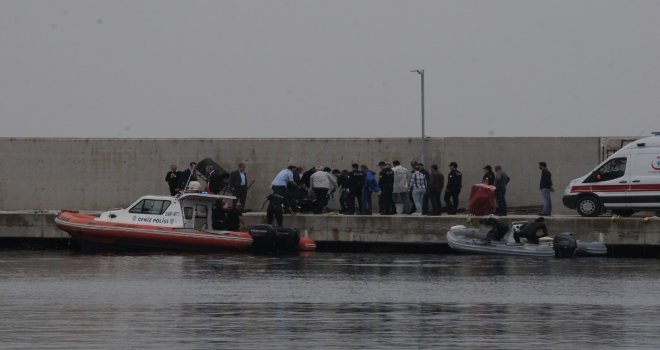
626,182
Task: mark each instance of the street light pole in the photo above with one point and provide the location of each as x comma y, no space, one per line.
421,73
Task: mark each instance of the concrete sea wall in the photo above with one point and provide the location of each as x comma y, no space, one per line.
97,174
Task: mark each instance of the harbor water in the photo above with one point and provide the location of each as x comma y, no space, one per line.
65,300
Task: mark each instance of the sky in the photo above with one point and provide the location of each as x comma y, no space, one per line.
328,69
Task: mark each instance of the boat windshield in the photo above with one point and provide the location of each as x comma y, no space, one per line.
150,206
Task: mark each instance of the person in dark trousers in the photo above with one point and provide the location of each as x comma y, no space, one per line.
370,186
233,219
489,176
355,187
413,206
172,178
529,231
425,198
281,183
386,183
275,208
322,184
345,193
501,181
436,183
239,184
454,184
546,187
213,184
219,215
187,176
497,229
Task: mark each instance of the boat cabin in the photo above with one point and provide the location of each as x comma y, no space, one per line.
189,210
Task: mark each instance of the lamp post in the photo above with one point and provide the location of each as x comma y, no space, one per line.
421,73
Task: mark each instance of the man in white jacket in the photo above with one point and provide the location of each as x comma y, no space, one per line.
322,182
400,189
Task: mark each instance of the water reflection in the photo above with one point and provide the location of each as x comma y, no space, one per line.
328,301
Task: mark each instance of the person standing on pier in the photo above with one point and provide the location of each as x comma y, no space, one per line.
355,187
400,188
418,188
489,176
386,183
239,184
454,184
546,187
282,181
436,183
501,181
322,183
370,186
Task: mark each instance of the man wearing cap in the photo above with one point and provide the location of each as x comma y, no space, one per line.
489,176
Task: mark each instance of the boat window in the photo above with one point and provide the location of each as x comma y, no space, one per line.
150,206
200,217
187,213
611,170
200,211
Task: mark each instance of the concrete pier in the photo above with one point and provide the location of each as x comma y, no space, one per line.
634,236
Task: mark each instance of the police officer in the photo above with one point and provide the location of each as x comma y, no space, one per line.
355,187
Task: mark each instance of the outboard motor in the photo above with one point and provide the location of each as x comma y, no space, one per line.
264,238
564,245
269,239
287,239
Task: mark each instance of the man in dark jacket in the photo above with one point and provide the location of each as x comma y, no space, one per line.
386,183
454,184
239,184
489,176
172,178
213,180
529,231
546,187
497,228
436,183
187,176
355,187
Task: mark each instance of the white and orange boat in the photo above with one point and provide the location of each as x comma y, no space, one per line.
182,223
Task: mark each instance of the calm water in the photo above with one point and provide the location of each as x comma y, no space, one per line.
60,300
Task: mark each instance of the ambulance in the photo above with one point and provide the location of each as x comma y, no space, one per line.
626,182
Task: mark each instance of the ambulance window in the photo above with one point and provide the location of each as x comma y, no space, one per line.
611,170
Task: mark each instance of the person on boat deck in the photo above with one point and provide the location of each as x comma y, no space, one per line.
172,178
213,183
529,231
219,214
233,219
498,228
187,176
275,207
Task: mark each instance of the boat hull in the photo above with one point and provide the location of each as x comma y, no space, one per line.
468,241
91,232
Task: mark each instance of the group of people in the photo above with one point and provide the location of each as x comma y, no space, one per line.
178,181
416,191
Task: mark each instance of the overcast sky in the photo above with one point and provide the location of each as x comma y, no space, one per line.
248,68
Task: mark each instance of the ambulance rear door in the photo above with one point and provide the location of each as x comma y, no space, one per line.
644,192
